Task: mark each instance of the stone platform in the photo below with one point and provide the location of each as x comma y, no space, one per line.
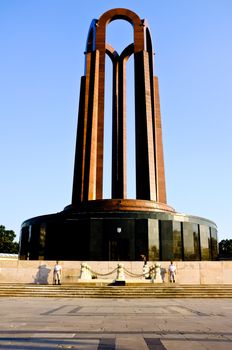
188,272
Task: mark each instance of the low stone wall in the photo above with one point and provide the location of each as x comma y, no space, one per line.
41,272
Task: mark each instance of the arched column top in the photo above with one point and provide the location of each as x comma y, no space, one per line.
119,13
139,25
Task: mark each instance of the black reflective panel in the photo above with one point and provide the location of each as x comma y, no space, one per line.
214,243
177,241
34,237
166,239
153,240
205,242
24,243
141,238
191,241
42,240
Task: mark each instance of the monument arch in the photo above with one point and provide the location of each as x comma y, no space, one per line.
119,228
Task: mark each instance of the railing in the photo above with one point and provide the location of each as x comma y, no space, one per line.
153,273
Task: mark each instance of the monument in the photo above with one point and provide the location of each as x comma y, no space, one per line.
119,228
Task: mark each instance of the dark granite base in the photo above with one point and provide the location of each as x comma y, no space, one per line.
118,236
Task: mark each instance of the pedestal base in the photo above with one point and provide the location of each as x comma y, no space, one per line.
118,230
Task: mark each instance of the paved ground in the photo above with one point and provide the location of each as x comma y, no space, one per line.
125,324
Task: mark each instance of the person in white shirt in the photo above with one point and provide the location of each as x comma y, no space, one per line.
172,272
57,273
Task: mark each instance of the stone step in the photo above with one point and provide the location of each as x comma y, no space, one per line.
90,291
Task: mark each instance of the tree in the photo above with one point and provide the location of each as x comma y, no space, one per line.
7,244
225,248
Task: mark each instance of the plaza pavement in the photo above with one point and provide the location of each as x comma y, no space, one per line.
125,324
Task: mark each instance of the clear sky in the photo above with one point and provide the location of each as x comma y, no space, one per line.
41,62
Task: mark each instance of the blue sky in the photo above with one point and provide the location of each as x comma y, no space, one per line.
41,62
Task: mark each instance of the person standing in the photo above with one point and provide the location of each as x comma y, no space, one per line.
172,272
57,273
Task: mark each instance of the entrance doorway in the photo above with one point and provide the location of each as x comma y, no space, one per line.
118,249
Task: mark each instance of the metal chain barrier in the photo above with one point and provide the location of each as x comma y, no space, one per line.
129,273
150,271
134,274
102,274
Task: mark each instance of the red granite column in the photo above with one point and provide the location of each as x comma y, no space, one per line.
145,162
84,186
161,186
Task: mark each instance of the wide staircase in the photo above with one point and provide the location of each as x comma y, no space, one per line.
137,290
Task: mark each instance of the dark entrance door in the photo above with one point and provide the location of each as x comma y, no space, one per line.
118,249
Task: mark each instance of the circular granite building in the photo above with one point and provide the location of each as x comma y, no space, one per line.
116,234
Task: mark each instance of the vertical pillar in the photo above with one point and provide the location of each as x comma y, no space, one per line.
101,47
159,157
119,129
78,177
115,112
84,185
145,162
